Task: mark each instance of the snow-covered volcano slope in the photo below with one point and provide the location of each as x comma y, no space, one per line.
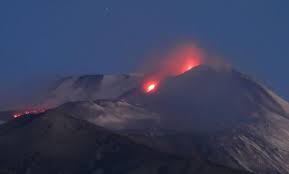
112,114
90,87
242,123
80,88
245,125
213,97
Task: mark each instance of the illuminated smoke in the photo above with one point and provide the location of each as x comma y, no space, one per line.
180,60
177,61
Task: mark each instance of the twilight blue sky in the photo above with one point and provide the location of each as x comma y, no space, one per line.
41,39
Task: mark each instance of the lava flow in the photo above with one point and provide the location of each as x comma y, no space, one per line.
28,112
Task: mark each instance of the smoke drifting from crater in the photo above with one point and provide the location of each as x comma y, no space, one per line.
174,61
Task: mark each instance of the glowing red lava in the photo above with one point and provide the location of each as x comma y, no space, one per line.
190,64
189,67
28,112
150,86
175,62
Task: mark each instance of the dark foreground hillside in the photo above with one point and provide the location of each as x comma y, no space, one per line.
57,143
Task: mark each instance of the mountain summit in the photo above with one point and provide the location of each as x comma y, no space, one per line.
243,123
217,114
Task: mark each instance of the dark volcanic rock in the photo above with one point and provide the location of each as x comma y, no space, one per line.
54,142
244,124
217,114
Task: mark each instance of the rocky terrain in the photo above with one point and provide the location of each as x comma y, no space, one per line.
55,142
206,114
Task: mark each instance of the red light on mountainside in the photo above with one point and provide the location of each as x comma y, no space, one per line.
174,63
35,111
150,86
179,60
188,65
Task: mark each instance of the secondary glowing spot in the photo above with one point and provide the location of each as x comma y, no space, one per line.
35,111
17,115
150,87
175,62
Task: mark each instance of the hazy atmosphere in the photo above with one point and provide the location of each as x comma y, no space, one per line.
44,40
144,87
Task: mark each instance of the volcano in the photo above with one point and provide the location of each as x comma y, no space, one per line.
214,114
238,121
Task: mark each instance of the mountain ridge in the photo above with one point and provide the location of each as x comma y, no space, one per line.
243,124
58,143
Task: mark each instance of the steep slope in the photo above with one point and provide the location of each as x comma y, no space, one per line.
58,143
220,113
244,124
